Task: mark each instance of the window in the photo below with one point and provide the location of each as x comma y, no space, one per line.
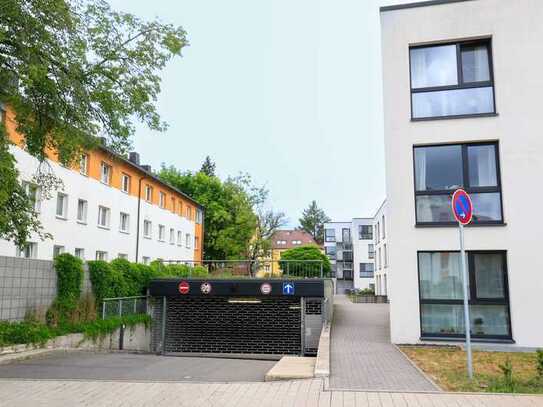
172,236
366,270
173,204
103,216
80,253
439,170
147,229
199,216
161,199
82,206
385,255
365,232
180,206
346,235
281,242
296,242
441,294
451,80
383,226
105,173
329,235
371,251
33,193
330,251
29,250
62,205
84,164
122,256
179,238
124,222
161,233
148,193
57,250
125,183
101,255
187,240
189,213
146,260
380,260
196,243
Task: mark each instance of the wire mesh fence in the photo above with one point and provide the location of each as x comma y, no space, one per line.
123,306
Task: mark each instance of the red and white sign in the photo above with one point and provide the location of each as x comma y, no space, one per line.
205,288
462,207
265,288
184,287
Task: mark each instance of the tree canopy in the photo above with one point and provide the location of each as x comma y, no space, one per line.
73,71
305,261
208,167
313,220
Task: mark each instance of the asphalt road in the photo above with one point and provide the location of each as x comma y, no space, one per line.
135,367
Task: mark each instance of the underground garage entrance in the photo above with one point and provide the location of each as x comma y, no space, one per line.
239,317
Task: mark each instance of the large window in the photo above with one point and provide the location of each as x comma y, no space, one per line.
82,206
62,206
124,222
441,295
366,270
365,232
103,217
105,173
330,251
330,235
441,169
371,251
452,80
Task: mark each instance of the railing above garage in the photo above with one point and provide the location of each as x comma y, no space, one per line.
123,306
286,269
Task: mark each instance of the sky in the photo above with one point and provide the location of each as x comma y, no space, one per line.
287,91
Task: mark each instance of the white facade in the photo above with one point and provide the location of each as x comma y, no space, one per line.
381,250
86,237
348,247
514,30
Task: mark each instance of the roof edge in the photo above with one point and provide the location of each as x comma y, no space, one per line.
418,4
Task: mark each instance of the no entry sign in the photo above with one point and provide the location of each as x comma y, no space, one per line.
462,207
184,287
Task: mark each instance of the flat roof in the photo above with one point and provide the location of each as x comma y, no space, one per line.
418,4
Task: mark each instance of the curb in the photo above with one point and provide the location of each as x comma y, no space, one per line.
439,389
322,364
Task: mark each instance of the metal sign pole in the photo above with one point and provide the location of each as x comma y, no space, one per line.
467,323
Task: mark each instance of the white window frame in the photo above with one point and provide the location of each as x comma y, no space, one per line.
82,253
84,164
33,188
58,248
161,233
64,214
146,259
199,216
148,234
83,219
29,251
122,256
148,193
125,183
105,173
107,218
179,238
188,240
161,199
101,255
127,228
172,236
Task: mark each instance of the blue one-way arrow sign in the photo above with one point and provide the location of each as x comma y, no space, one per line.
288,288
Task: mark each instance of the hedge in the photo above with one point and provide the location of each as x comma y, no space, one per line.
297,264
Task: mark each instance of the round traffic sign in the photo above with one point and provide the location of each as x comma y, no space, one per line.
205,288
462,206
184,287
265,288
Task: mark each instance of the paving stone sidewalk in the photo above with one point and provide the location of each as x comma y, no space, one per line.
362,357
306,393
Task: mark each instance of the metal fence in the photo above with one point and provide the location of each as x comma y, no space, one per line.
123,306
255,268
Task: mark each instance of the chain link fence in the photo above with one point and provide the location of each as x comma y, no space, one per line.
123,306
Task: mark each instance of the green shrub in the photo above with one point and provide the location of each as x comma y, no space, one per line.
304,268
107,281
539,363
69,271
12,333
507,371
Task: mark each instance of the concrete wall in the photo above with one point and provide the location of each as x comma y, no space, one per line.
88,235
28,285
516,31
381,247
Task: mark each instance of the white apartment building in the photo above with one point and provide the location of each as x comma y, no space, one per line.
348,245
462,97
108,207
380,249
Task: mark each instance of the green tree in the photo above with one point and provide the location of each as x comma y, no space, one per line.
305,261
229,222
313,220
72,71
208,167
267,222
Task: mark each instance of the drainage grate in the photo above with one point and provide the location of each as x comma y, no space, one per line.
227,325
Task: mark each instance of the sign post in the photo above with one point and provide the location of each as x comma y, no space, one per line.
462,208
